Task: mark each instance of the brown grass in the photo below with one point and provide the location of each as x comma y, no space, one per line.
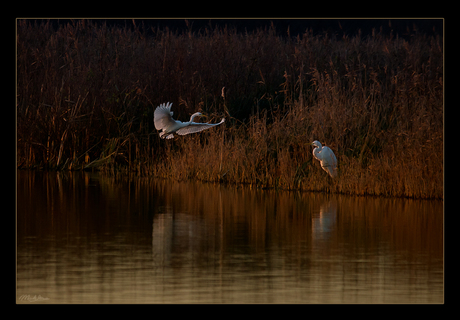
86,95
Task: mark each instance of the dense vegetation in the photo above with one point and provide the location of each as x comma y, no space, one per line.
86,94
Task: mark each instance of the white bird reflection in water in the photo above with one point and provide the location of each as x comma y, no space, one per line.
324,221
162,234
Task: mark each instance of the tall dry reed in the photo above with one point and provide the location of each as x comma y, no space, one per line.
86,94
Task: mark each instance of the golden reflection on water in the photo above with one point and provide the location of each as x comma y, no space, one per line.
86,238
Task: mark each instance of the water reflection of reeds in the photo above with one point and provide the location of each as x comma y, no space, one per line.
258,216
268,214
171,240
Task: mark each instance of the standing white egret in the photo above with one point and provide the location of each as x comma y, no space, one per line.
163,121
326,157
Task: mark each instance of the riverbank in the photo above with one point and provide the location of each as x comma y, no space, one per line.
86,95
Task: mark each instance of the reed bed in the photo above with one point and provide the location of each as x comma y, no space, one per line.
86,94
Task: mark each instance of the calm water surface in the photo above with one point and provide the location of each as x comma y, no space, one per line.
87,238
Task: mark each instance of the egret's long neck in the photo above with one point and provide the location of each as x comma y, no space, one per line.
316,152
193,116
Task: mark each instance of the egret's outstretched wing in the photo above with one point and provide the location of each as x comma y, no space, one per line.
162,117
197,127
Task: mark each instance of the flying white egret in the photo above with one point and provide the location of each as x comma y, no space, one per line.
163,121
326,157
